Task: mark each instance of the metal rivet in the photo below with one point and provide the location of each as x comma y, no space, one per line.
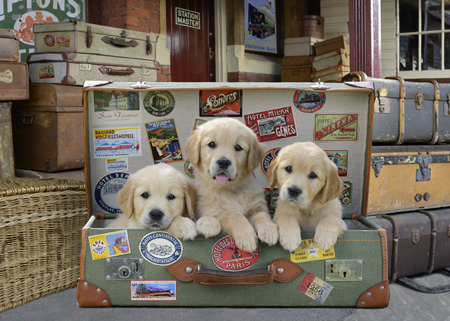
362,303
98,290
141,261
327,278
369,294
85,283
141,277
382,287
280,270
108,260
360,261
104,301
188,270
359,278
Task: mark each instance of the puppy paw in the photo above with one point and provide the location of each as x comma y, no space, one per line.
186,230
268,233
290,240
208,226
247,242
325,239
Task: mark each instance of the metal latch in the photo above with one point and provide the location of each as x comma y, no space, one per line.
124,269
419,100
377,164
447,108
145,71
140,85
423,173
149,47
343,270
123,34
382,103
89,37
320,86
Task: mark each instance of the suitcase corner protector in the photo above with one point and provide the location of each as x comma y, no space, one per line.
376,297
90,295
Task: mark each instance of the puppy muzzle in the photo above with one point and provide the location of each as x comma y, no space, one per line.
223,171
156,219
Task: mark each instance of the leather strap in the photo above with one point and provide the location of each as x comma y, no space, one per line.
89,295
187,270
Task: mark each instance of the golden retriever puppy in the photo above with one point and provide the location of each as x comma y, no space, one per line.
224,153
309,185
158,197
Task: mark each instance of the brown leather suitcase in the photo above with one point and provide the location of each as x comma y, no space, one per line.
418,242
14,81
296,69
9,45
48,129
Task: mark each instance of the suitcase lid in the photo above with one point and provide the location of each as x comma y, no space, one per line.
45,95
9,33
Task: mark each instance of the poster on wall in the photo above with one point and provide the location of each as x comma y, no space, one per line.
260,26
21,15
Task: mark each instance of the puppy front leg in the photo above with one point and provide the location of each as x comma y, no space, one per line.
327,231
183,228
289,228
242,231
208,226
266,229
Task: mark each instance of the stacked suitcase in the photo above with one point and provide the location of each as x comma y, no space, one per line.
13,86
66,55
409,194
332,59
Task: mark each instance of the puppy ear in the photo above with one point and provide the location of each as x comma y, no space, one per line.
192,147
255,154
190,197
333,184
272,174
125,198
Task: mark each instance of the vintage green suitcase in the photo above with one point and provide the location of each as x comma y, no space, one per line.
131,125
94,39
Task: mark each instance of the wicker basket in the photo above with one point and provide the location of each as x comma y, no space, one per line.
40,237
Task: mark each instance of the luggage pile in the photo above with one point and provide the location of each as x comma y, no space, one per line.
409,194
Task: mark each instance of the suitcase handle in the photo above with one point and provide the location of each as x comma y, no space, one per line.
119,72
120,42
187,270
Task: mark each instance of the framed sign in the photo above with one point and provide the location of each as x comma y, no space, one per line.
21,15
263,27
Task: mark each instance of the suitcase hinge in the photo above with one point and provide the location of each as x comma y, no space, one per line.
149,46
89,37
419,100
423,173
377,164
415,237
382,103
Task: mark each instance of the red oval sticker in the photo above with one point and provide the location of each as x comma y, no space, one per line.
227,256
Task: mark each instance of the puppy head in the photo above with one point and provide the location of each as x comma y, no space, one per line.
155,195
223,151
305,175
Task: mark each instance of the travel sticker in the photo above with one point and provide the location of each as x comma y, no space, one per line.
153,290
159,103
227,256
271,154
163,139
340,159
112,107
45,71
331,127
272,124
197,123
271,197
116,164
49,40
106,190
309,102
6,76
109,244
346,194
221,102
189,169
113,142
160,248
63,41
315,288
309,251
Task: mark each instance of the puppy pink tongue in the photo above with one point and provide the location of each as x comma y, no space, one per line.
222,179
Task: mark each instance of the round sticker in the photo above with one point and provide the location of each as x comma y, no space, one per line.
309,102
159,103
49,40
160,248
26,21
271,154
189,169
99,247
106,191
227,256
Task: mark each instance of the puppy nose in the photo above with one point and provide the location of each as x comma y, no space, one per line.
156,214
294,191
223,163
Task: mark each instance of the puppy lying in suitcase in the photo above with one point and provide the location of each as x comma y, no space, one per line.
158,197
309,185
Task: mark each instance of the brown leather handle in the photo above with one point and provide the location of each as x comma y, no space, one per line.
187,270
119,42
110,71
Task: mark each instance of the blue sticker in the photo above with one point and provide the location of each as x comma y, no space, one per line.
309,102
106,191
270,155
160,248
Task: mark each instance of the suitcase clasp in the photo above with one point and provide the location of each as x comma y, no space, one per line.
419,100
382,104
423,173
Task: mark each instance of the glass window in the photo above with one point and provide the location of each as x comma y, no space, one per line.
431,52
409,16
431,15
408,53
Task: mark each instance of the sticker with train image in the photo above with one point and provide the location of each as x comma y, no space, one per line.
221,102
333,127
163,139
153,290
113,142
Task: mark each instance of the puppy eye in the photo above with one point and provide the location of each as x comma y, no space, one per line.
238,148
312,175
171,197
288,169
145,195
212,145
